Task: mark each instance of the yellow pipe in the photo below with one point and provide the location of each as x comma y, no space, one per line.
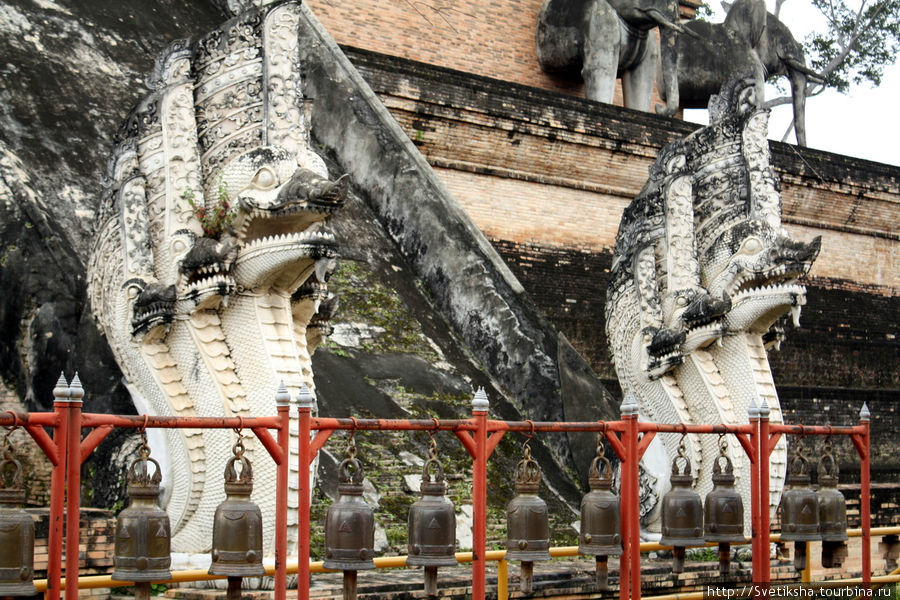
105,581
564,551
502,579
806,573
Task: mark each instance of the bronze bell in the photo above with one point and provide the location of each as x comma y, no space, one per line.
350,523
142,530
237,547
600,530
682,513
799,509
527,522
724,511
16,533
432,527
832,513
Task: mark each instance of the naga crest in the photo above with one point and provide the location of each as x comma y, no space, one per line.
209,265
702,274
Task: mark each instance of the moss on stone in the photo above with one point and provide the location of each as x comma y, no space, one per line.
365,299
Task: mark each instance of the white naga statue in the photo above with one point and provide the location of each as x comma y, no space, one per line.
702,274
208,270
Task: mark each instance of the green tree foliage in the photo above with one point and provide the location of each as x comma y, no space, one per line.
858,43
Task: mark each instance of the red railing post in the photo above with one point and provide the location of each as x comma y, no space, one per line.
73,485
57,490
755,504
283,405
480,407
304,457
630,563
865,496
765,454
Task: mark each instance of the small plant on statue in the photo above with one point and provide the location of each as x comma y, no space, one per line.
216,218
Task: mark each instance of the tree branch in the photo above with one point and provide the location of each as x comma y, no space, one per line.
782,100
847,46
787,132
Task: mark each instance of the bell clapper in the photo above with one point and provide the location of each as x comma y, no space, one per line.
431,581
833,554
349,585
602,573
678,559
234,588
800,557
724,558
142,590
526,576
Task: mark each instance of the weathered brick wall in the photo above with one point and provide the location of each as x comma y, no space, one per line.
35,466
95,550
494,38
487,38
535,167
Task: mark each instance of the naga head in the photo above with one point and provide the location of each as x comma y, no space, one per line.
758,269
746,257
701,252
209,269
213,187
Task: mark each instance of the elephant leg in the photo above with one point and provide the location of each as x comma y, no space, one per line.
667,78
602,40
637,82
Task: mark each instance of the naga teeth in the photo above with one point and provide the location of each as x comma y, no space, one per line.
795,314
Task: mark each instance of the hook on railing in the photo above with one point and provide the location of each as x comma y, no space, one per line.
15,424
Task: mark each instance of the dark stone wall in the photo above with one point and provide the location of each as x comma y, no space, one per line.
848,339
570,287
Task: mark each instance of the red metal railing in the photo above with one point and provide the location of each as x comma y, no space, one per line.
629,438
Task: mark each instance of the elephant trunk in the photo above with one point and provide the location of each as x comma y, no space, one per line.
661,19
667,75
798,92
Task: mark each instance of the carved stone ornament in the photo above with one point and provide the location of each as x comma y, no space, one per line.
702,274
209,266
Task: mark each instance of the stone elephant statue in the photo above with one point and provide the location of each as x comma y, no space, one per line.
694,67
603,40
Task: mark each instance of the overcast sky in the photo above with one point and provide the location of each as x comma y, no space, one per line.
862,123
